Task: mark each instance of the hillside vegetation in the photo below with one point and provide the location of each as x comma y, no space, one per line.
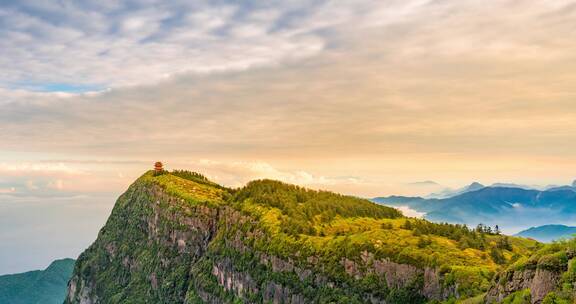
180,238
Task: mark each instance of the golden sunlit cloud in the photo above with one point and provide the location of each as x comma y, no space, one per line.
387,95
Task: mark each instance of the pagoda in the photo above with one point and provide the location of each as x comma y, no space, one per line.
158,168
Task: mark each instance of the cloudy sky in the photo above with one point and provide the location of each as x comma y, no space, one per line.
365,97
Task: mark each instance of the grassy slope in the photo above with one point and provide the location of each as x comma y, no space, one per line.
348,235
357,226
195,190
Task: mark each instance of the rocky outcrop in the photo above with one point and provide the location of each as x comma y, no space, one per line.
83,294
277,294
234,281
539,281
150,235
400,276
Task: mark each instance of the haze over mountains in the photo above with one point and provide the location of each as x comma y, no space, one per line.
549,233
453,192
512,207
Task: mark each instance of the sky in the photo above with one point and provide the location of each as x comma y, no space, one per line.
363,97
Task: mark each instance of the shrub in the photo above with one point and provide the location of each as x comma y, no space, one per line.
553,262
519,297
553,298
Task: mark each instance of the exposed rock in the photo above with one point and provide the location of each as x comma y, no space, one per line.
82,295
277,294
231,280
400,275
397,275
539,281
154,281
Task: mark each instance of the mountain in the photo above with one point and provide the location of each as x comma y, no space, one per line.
425,187
427,183
37,287
557,188
480,204
512,185
396,200
507,207
179,238
451,192
549,233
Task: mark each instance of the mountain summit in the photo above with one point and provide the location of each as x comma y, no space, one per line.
179,238
474,186
447,193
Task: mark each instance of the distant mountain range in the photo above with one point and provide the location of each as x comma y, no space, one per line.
549,233
515,208
446,193
37,287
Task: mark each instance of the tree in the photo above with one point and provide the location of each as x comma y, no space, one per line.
504,243
553,298
497,229
497,256
387,226
424,242
480,228
407,225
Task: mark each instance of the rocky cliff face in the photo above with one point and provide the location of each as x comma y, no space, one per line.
162,244
549,276
540,282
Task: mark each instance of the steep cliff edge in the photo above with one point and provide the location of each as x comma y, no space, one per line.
548,276
179,238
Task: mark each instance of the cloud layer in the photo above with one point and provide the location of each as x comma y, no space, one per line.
384,85
361,97
84,46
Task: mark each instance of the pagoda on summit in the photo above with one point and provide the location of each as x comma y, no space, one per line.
158,168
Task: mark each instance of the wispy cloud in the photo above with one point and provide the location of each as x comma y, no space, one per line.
237,174
82,46
360,97
25,168
431,88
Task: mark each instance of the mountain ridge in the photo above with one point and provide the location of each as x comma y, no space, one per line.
548,233
178,238
515,208
46,286
447,193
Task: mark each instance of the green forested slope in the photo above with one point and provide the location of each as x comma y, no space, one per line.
179,238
